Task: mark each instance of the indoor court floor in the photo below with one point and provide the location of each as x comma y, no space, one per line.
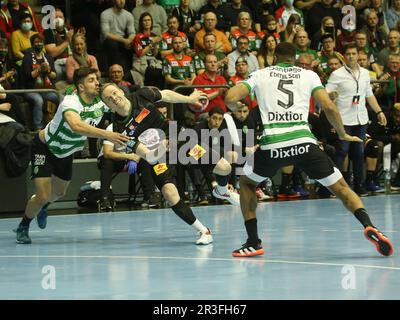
314,249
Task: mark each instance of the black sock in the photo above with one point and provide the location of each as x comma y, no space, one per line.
362,216
25,222
184,212
222,180
251,228
370,176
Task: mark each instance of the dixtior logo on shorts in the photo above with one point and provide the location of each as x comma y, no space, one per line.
40,159
143,114
197,152
288,152
160,168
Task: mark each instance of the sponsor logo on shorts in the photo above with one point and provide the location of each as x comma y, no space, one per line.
288,152
287,116
143,114
197,152
40,159
160,168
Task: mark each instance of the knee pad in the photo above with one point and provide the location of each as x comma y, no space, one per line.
372,149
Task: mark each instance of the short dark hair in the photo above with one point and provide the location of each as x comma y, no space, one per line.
351,45
285,50
80,75
36,36
216,109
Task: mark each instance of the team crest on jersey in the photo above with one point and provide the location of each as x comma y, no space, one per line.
160,168
98,113
197,152
143,114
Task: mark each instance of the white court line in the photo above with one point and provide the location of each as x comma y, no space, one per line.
125,230
62,231
211,259
299,230
327,230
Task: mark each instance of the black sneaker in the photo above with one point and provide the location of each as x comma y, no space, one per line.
202,200
105,205
249,250
22,235
361,191
287,192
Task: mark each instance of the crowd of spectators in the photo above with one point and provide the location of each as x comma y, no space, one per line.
206,42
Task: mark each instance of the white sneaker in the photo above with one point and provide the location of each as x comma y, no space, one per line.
232,197
205,238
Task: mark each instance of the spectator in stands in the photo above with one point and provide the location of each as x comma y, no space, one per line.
38,73
167,36
392,48
8,76
146,45
210,22
333,64
376,6
157,13
178,68
392,89
242,50
217,8
188,21
231,12
284,12
327,51
20,38
393,14
346,36
80,57
242,73
293,26
117,33
302,43
57,43
210,42
377,38
320,10
261,10
12,14
327,26
266,55
211,77
270,29
244,29
116,75
362,45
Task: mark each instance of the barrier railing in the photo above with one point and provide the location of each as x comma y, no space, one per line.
31,91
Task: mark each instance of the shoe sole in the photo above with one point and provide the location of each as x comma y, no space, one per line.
246,255
230,200
22,242
382,244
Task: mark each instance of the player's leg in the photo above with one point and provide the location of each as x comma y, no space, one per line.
222,171
168,189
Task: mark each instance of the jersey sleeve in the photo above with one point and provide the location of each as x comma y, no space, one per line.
315,82
252,81
71,103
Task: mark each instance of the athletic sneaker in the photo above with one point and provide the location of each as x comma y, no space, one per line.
41,218
287,192
382,243
360,190
205,238
232,197
303,192
261,196
23,235
249,250
374,187
105,205
202,200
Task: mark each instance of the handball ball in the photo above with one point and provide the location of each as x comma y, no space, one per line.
204,103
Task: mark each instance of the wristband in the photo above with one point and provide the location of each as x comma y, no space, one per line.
379,112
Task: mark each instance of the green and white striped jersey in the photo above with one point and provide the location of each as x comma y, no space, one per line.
60,138
283,93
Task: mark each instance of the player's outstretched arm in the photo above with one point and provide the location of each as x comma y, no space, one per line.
235,94
174,97
81,127
333,115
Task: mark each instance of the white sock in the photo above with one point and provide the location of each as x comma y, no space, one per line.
199,226
222,189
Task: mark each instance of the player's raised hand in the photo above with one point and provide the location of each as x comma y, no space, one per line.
350,138
198,98
117,138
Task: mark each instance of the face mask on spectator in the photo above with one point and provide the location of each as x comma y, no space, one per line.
59,23
26,26
289,2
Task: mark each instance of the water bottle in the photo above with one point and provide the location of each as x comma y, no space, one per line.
387,182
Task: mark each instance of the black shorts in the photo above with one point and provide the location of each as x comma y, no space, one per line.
45,164
307,157
162,175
